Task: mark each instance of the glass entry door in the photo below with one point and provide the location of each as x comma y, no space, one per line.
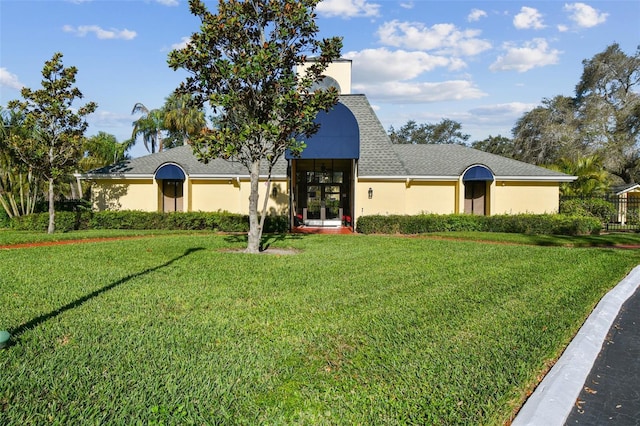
323,190
323,198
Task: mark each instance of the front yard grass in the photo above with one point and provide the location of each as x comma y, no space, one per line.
182,329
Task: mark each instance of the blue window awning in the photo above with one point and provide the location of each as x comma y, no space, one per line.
337,138
170,172
478,174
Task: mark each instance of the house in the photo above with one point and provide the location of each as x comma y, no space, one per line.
626,199
350,168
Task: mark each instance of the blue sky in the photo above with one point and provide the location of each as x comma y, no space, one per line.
481,63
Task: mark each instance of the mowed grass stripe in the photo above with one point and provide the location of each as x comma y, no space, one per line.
352,329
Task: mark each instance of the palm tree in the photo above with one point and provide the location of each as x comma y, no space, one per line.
150,126
593,179
19,187
104,149
181,118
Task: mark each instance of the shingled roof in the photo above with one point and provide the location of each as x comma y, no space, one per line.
183,156
379,158
452,160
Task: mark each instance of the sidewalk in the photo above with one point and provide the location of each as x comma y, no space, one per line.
596,381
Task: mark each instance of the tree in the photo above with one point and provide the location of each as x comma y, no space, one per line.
602,119
243,63
410,133
608,105
19,187
181,119
53,149
103,149
593,179
444,132
499,145
549,132
150,126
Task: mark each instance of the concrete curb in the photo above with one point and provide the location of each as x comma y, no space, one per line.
554,398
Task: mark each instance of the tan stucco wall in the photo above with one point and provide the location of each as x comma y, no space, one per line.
431,197
388,198
125,194
340,71
524,197
199,195
233,196
441,197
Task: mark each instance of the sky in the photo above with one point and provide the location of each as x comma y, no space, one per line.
480,63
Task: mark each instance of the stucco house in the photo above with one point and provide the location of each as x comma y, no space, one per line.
350,168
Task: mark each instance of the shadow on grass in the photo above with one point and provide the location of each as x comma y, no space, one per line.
266,241
18,331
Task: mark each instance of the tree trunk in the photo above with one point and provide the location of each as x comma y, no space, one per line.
255,232
52,210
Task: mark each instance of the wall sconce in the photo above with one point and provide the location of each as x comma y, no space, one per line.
370,193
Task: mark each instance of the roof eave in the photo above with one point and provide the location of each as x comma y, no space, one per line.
566,178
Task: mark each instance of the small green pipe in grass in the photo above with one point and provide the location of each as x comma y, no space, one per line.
4,338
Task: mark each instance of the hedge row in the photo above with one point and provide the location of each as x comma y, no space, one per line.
129,219
596,207
555,224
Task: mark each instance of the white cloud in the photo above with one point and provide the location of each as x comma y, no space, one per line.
100,33
168,2
563,28
420,92
9,80
476,14
528,18
407,5
348,8
584,15
532,54
380,65
444,38
511,109
183,43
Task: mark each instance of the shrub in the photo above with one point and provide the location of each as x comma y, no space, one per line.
139,220
593,207
4,219
522,224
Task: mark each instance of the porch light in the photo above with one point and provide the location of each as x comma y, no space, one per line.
370,193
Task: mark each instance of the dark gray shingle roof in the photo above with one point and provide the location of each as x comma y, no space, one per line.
453,160
377,157
184,157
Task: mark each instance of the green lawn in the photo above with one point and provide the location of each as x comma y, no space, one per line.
179,329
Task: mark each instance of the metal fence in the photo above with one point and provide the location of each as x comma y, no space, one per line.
618,212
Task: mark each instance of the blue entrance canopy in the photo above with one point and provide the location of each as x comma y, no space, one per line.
337,138
170,172
477,174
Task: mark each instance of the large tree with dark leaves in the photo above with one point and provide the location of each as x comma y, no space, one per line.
444,132
243,63
54,146
608,104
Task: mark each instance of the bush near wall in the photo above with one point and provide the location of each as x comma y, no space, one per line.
138,220
555,224
596,207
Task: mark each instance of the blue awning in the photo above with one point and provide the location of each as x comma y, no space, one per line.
170,172
478,174
337,138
